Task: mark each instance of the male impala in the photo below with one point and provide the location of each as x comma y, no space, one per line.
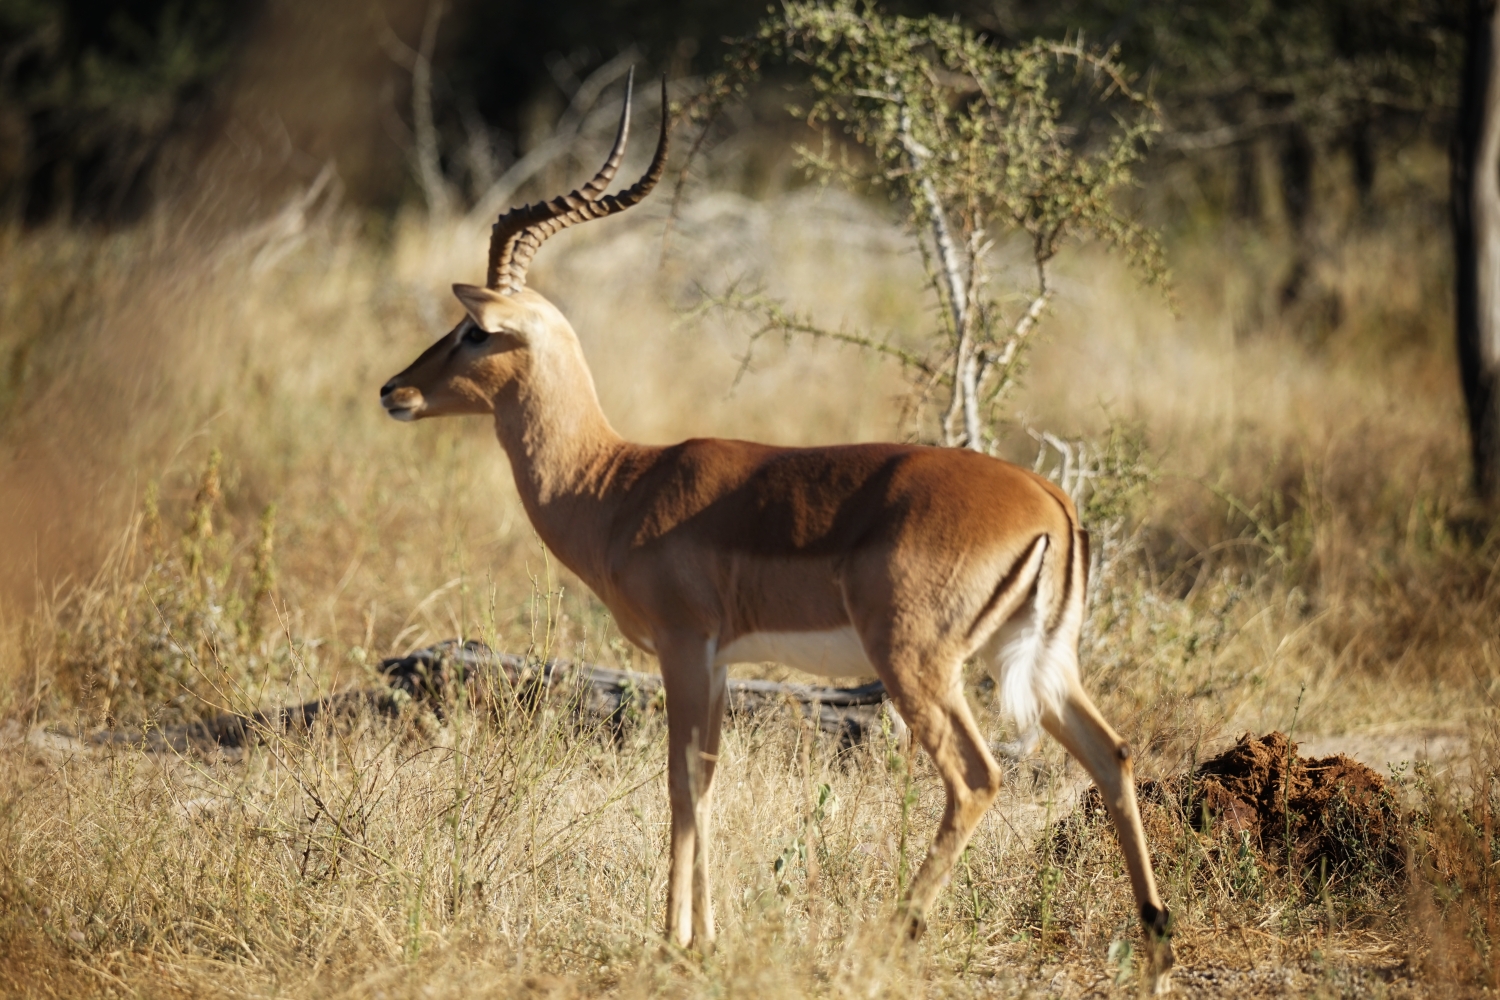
897,560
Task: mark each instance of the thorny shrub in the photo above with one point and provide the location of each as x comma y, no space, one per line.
976,144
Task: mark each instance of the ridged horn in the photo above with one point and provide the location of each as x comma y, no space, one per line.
594,188
519,233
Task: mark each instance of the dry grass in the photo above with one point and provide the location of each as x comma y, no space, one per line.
1304,559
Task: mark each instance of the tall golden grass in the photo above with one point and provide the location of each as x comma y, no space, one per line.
206,508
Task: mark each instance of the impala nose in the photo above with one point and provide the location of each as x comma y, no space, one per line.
400,401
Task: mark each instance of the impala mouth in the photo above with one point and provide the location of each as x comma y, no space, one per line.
402,413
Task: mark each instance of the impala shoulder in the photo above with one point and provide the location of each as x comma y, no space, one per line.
672,484
716,459
729,449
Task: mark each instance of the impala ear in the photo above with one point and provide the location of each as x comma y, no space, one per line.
486,306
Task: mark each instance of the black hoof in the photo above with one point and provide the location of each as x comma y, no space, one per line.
1158,923
1158,926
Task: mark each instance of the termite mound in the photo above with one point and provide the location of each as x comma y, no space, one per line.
1328,822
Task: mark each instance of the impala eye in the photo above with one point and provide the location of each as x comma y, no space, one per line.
475,335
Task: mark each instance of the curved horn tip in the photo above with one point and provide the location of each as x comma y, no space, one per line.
629,99
625,111
666,108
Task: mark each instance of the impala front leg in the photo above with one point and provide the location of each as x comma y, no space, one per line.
695,712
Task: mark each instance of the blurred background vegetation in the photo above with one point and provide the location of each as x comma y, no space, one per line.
106,106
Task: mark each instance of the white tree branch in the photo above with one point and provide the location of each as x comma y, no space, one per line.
425,152
429,163
1003,359
965,401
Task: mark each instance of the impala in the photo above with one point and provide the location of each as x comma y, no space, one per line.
895,560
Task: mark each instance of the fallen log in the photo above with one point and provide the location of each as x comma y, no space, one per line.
431,677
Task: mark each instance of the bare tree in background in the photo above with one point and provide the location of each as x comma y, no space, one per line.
494,188
1476,234
976,143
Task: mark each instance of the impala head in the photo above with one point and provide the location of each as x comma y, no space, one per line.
492,345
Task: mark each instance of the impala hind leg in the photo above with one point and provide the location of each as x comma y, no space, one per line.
1079,727
695,691
945,728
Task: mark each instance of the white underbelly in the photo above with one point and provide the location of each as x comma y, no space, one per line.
832,653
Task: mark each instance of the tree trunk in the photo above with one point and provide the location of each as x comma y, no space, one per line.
1475,199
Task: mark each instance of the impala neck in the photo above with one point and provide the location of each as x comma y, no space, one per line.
562,450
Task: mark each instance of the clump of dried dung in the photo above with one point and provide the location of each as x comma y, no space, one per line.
1320,819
